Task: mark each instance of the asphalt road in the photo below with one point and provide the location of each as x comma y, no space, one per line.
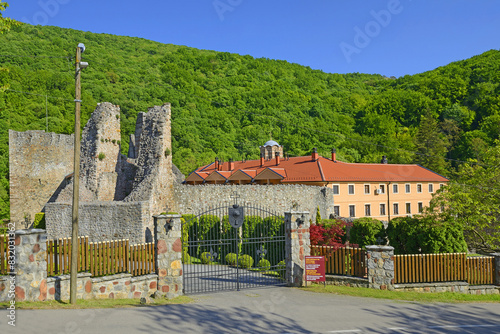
269,310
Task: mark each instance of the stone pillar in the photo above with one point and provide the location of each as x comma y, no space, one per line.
31,265
297,246
380,267
168,254
497,268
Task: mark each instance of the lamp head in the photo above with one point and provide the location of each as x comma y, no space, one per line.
82,47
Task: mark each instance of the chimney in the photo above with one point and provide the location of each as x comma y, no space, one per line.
261,159
216,164
334,155
315,154
277,158
230,165
384,160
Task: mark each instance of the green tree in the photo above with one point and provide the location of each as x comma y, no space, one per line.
6,23
431,145
473,201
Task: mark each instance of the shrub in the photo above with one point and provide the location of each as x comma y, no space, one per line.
231,259
367,231
425,235
245,261
39,220
328,233
167,152
206,258
281,267
264,264
186,258
101,156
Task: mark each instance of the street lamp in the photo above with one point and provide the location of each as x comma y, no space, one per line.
76,173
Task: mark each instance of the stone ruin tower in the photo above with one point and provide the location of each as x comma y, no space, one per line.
118,194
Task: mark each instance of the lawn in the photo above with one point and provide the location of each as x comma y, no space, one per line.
423,297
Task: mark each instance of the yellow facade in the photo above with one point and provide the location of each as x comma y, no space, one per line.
373,199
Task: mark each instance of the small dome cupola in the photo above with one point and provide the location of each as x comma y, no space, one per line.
269,149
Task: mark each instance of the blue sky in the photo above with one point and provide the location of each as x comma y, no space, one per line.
388,37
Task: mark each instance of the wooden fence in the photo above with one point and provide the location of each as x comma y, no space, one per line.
342,261
427,268
4,254
100,258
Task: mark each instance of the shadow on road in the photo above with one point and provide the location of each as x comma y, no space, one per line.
192,318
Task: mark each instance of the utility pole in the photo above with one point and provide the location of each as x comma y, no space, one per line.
76,175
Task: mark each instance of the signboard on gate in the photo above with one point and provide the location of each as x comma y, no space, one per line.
315,268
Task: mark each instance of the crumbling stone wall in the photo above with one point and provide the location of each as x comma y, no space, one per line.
118,195
38,165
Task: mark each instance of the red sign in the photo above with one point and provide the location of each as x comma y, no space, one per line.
315,268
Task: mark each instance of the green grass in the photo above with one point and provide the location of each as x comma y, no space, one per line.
423,297
95,303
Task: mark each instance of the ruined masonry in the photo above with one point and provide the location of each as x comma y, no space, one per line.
127,191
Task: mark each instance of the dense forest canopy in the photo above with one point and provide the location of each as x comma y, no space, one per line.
226,105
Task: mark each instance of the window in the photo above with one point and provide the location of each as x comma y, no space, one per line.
441,185
408,208
351,189
382,188
352,211
420,207
367,210
419,187
395,189
382,209
367,189
407,188
336,210
335,188
395,208
431,188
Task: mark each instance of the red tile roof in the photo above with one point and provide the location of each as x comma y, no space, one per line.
305,169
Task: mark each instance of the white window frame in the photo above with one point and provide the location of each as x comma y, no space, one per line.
338,189
369,189
408,208
420,207
354,209
369,207
395,186
419,185
380,209
382,188
353,189
396,212
431,188
336,208
407,188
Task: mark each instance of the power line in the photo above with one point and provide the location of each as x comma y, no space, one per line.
30,56
42,95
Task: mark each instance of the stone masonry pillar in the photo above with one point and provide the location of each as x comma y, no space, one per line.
380,267
31,265
297,246
168,250
497,268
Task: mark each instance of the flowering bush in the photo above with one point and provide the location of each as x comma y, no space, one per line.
329,234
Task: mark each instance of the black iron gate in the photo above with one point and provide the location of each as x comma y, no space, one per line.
232,247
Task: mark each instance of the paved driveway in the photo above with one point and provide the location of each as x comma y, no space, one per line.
269,310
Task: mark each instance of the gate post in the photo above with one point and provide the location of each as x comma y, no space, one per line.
297,246
380,264
168,252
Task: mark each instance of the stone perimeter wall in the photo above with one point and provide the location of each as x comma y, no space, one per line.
192,199
102,221
30,282
38,165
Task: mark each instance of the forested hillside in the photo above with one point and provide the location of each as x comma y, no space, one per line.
226,104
